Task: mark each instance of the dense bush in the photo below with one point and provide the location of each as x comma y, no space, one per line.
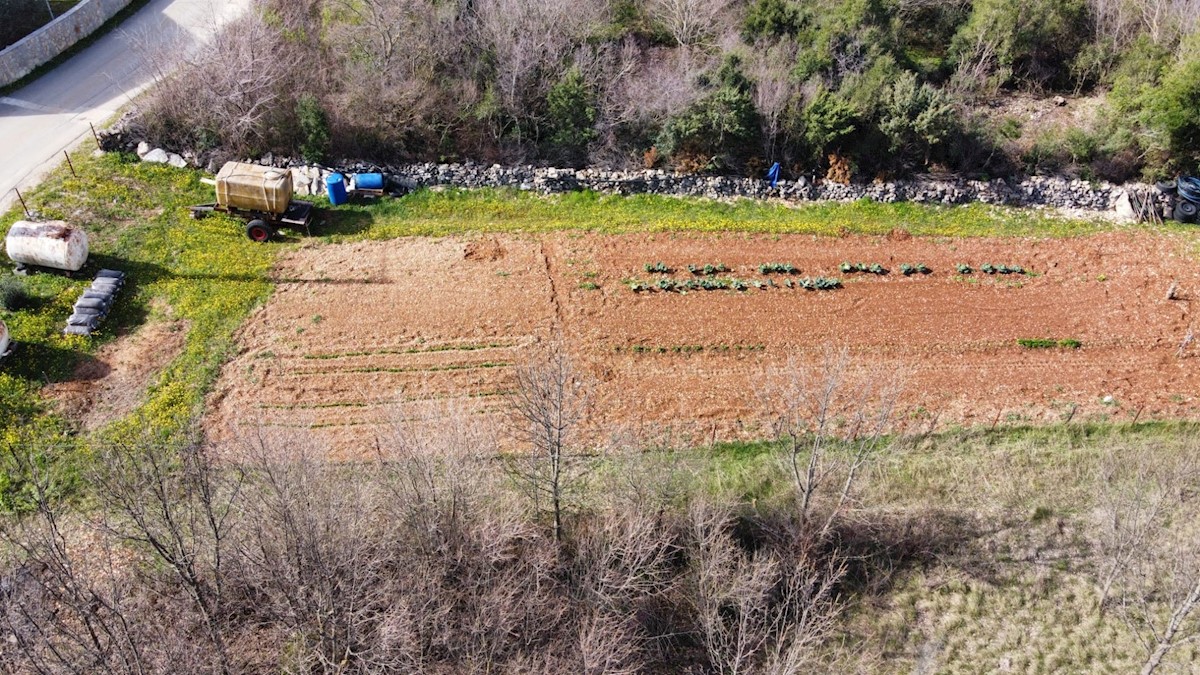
881,85
422,562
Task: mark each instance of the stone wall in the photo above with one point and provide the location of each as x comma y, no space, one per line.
39,47
1120,202
1055,192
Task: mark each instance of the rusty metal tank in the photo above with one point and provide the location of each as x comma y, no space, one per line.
53,244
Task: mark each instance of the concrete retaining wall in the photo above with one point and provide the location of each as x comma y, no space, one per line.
47,42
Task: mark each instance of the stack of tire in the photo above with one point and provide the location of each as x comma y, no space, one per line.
1187,197
95,303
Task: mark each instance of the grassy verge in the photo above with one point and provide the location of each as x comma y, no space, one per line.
203,274
1017,591
445,212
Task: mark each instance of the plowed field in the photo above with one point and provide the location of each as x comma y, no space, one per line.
354,329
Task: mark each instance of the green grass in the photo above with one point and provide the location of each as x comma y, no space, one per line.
204,274
448,212
207,276
1047,343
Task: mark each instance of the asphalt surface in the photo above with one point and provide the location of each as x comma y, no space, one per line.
44,118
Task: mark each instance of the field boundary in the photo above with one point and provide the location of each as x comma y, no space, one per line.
46,43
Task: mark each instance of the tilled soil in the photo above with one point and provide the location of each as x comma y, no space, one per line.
355,331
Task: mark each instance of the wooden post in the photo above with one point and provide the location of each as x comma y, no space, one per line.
96,136
23,206
70,164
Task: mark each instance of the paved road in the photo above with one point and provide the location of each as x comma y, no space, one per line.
40,120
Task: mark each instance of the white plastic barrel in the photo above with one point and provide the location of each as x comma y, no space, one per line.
52,244
4,340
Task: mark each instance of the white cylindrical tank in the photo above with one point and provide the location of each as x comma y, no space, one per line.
4,339
51,244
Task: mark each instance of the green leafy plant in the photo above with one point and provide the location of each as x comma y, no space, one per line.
1047,343
656,268
314,128
777,268
13,295
963,268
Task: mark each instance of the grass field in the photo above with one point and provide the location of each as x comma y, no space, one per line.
1009,585
446,212
208,274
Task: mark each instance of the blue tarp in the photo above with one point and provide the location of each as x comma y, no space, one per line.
1189,188
773,174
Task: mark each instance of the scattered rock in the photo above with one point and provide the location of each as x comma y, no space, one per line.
157,155
1124,208
143,148
176,161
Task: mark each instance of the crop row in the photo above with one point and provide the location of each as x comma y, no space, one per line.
988,268
873,268
1047,343
689,349
731,284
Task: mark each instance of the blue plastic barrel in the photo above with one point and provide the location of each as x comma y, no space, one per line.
368,181
335,184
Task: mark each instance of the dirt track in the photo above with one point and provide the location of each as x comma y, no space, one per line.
354,329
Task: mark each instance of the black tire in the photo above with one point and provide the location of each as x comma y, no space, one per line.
1168,187
260,231
1185,212
198,214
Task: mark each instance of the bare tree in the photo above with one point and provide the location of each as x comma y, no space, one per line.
229,90
63,611
774,88
528,40
757,613
549,403
690,22
830,422
400,38
176,503
1150,545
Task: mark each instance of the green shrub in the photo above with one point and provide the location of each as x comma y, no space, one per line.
1173,112
572,113
773,18
825,122
314,128
1030,42
13,295
916,118
723,124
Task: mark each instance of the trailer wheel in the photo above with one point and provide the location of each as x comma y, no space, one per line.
197,215
259,231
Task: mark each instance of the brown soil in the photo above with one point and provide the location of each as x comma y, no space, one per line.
357,329
111,384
